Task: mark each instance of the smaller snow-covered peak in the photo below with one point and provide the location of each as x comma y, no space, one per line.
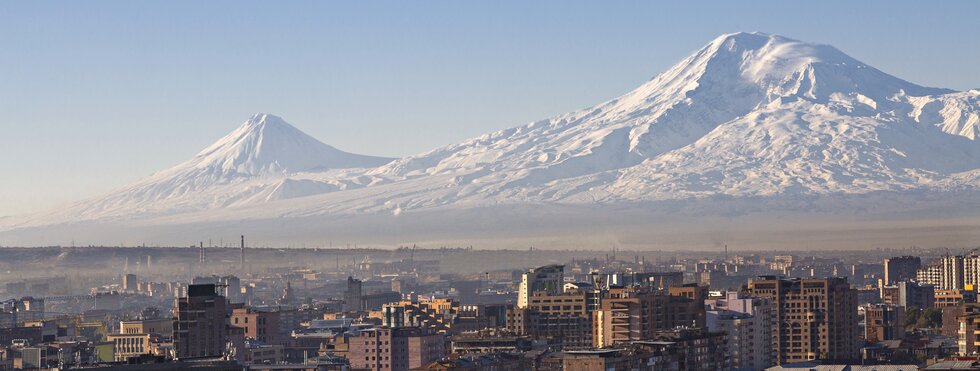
266,144
260,120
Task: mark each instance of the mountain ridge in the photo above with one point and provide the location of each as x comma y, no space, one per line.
747,115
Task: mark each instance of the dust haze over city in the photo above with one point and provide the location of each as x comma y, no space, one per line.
489,186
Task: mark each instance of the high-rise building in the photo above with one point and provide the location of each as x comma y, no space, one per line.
261,326
947,273
549,279
200,325
902,268
242,263
130,282
814,318
353,296
747,322
884,322
637,313
395,349
951,323
909,295
562,318
968,339
232,289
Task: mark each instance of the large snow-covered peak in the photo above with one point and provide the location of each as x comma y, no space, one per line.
780,67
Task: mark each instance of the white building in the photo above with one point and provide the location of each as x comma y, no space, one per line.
748,323
549,278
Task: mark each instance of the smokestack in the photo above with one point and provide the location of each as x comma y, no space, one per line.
243,252
202,256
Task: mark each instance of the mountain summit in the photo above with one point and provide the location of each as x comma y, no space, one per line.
747,116
267,145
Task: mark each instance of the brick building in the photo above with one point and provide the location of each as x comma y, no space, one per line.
814,318
395,349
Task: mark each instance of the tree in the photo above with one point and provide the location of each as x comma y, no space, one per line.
923,318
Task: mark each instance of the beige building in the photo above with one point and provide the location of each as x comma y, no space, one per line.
562,318
952,298
129,345
637,313
163,326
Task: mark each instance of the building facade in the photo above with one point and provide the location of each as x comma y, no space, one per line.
562,319
884,322
637,313
125,346
261,326
353,295
199,328
952,298
747,323
814,319
549,279
909,295
161,326
395,349
901,269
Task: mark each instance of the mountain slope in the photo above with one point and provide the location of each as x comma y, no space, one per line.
748,116
253,163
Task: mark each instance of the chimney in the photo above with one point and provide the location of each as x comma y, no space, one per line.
243,252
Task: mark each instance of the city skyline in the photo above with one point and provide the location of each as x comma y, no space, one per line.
468,186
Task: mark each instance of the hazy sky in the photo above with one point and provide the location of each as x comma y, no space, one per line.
97,94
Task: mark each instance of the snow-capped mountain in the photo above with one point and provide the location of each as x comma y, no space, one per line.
748,115
257,162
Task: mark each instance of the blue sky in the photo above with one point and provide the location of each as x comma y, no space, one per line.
97,94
